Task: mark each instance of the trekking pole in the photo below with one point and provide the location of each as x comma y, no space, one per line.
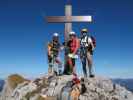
82,73
53,65
53,59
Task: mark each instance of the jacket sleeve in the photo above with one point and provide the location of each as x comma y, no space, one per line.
49,49
77,46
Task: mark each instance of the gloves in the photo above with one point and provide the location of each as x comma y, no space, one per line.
72,56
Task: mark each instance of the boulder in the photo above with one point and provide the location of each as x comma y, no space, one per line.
63,88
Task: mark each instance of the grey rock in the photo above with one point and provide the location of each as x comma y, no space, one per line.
60,87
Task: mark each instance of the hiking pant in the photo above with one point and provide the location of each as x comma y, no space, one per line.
87,60
53,60
71,62
69,66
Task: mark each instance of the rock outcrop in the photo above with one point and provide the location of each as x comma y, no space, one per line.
66,87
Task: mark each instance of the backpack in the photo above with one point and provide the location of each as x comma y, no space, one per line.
93,41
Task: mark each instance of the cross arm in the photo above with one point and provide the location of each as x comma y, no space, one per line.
68,19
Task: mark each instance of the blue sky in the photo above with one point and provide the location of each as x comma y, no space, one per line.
24,35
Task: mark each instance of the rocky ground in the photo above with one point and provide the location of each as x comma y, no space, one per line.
65,87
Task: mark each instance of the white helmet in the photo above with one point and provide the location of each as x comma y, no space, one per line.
55,34
72,33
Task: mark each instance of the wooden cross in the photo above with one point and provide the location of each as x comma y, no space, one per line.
68,19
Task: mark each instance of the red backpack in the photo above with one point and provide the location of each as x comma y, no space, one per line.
93,41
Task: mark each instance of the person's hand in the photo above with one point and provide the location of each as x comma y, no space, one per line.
49,54
70,55
81,56
62,47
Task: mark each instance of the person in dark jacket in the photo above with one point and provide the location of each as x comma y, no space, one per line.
53,54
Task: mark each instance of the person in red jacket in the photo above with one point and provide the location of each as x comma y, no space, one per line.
73,46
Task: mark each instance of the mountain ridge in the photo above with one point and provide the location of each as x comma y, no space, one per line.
1,84
65,87
128,83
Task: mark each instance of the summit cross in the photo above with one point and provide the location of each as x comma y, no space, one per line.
68,19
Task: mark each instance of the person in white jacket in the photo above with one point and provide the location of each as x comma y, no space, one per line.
86,51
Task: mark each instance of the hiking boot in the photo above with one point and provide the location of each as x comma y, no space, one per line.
85,75
55,73
74,74
92,76
83,88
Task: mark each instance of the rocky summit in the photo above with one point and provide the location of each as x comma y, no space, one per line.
65,87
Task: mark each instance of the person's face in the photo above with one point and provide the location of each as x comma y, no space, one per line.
55,38
71,37
84,34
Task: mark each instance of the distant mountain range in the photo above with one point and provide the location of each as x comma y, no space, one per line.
1,84
128,83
